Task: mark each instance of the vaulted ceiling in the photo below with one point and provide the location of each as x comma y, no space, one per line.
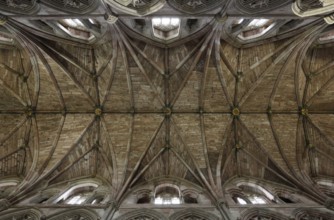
202,109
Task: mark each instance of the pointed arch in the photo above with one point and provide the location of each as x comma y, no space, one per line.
83,214
31,214
142,214
192,213
263,214
304,214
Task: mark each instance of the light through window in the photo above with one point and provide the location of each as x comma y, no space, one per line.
166,23
258,22
166,28
75,28
167,201
73,22
241,201
167,195
257,200
76,200
256,28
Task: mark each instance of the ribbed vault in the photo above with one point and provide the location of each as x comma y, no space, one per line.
128,112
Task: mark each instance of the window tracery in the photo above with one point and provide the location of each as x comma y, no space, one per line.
77,196
256,28
167,195
253,194
166,28
81,194
256,200
241,201
75,28
251,199
80,29
191,216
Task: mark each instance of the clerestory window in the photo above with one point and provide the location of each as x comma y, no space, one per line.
256,28
241,201
77,195
166,28
167,195
257,200
75,28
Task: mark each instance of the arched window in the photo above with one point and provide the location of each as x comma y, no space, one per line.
77,29
143,198
97,200
190,199
77,195
240,200
253,194
75,199
257,199
167,194
255,28
166,28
